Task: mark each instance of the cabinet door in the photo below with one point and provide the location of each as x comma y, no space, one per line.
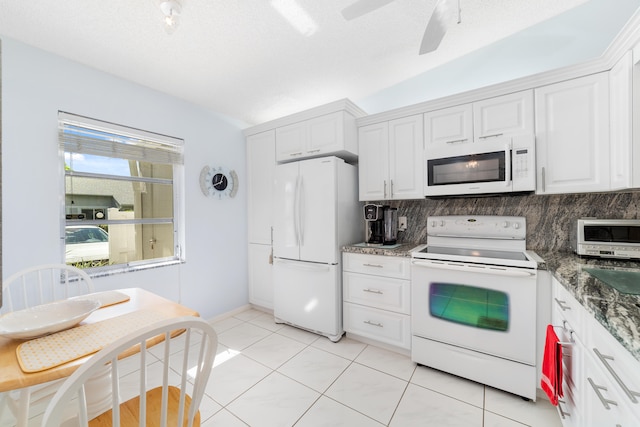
326,134
503,116
572,131
621,152
406,158
373,164
261,275
261,163
291,141
448,126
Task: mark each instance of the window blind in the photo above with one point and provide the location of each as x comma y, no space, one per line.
83,135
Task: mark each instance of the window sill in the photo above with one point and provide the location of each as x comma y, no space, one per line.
125,268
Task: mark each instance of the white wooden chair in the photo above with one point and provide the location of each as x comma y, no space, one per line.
27,288
165,392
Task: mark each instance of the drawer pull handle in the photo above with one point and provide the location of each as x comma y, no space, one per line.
313,151
597,388
369,322
562,413
296,154
630,393
455,141
372,265
490,136
565,328
373,291
562,304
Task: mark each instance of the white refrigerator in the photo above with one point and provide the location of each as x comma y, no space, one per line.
316,212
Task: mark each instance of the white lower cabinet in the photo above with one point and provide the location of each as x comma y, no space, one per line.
261,275
377,298
601,379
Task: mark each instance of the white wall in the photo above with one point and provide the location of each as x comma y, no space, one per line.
35,85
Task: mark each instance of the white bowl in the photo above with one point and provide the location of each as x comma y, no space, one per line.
46,318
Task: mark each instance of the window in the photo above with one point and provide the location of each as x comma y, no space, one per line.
121,193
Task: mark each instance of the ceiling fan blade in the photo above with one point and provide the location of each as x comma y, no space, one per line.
362,7
437,26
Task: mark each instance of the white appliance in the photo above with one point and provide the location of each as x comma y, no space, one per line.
316,212
500,165
606,238
473,296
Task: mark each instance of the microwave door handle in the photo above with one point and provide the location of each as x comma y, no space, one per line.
507,165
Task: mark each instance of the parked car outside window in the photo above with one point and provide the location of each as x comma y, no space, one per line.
85,243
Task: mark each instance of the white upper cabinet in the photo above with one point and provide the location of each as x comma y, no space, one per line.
261,164
503,116
572,131
620,86
329,134
452,125
391,160
406,158
373,164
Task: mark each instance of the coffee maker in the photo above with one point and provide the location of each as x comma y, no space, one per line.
381,224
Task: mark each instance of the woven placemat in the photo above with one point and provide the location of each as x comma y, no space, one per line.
56,349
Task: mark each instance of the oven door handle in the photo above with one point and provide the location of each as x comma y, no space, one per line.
486,269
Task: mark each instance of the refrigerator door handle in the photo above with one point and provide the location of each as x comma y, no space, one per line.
301,202
296,213
304,266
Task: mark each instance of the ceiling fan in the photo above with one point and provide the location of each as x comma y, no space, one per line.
442,16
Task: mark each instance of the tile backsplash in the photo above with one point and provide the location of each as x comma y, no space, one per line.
548,217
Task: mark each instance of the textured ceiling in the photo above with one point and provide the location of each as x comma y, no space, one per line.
240,58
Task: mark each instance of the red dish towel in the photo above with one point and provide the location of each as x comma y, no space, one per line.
551,382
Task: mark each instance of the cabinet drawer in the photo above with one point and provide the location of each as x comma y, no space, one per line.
379,325
572,354
568,307
377,291
378,265
619,366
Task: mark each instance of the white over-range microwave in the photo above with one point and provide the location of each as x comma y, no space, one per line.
502,165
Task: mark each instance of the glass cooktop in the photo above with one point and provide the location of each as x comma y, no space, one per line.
475,253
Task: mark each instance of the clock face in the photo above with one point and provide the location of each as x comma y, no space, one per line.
218,182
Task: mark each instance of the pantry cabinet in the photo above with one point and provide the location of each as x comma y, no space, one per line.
391,160
572,133
501,116
261,164
376,298
329,134
601,379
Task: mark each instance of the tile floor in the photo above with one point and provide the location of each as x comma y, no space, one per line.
268,374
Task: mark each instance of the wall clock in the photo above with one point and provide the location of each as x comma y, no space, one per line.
218,182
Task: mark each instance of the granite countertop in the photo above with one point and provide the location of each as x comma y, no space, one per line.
618,312
401,250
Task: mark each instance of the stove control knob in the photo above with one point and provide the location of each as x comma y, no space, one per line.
433,223
442,223
505,224
516,225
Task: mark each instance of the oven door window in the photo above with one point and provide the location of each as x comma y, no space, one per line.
468,305
485,167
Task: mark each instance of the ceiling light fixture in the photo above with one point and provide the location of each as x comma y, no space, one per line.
296,16
171,10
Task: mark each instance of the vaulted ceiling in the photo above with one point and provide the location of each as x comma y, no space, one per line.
244,59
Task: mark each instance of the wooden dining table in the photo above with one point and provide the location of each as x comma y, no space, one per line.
12,377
